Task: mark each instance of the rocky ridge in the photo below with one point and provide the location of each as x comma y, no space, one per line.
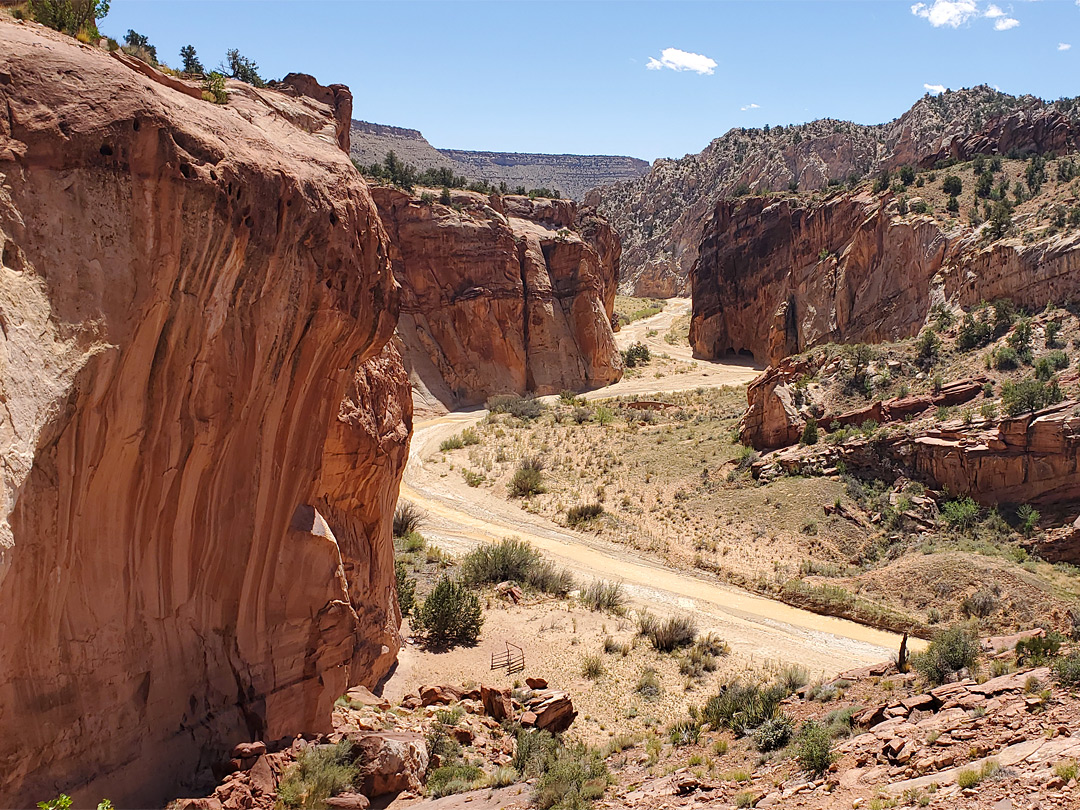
204,423
572,175
661,216
501,294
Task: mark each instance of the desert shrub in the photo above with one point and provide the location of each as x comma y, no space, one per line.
648,684
840,721
532,752
773,733
451,443
974,332
1005,358
582,415
814,748
671,633
712,644
508,559
601,595
1067,670
190,59
502,776
980,604
696,662
952,185
583,513
685,732
1046,365
528,479
960,514
1028,519
1053,329
406,588
547,577
1029,394
637,354
573,778
950,650
456,777
793,678
742,707
592,666
413,542
604,415
450,614
69,16
928,347
810,432
408,518
213,87
952,205
318,773
970,777
524,408
919,206
1037,651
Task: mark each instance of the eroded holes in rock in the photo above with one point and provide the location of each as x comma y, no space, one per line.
213,175
186,170
135,125
5,78
249,222
105,150
7,258
333,219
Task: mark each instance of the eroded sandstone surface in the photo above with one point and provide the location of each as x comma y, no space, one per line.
202,431
502,294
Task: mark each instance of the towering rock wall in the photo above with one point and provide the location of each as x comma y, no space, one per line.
776,277
202,428
502,294
661,216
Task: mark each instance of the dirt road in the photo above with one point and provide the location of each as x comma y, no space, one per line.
460,517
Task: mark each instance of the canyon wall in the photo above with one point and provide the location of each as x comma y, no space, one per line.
777,277
203,426
501,294
661,216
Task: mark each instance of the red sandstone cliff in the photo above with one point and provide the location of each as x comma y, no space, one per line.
502,294
776,277
202,431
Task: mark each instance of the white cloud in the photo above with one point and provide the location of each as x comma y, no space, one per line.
993,12
674,59
952,13
935,89
750,107
1064,46
1005,23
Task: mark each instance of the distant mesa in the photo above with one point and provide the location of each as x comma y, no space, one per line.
572,175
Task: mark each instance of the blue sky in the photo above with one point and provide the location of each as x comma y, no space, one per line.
649,79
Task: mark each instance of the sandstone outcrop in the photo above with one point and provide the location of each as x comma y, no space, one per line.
502,295
202,429
777,277
661,216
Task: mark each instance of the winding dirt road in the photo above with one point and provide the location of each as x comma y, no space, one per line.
460,517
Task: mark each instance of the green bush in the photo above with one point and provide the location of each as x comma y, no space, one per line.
547,577
928,347
69,16
451,443
592,666
1029,394
528,479
814,748
1028,518
450,615
191,63
637,354
214,88
952,185
1037,651
684,732
524,408
950,650
1021,337
583,513
573,778
671,633
1053,329
960,514
1067,670
601,595
408,518
810,432
318,774
974,332
243,69
742,707
1005,358
456,777
1046,365
508,559
406,588
774,733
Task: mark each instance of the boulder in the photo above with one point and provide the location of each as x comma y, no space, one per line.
497,703
363,696
390,762
441,695
549,710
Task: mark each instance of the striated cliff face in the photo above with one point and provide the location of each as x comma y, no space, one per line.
502,294
776,277
202,431
661,216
